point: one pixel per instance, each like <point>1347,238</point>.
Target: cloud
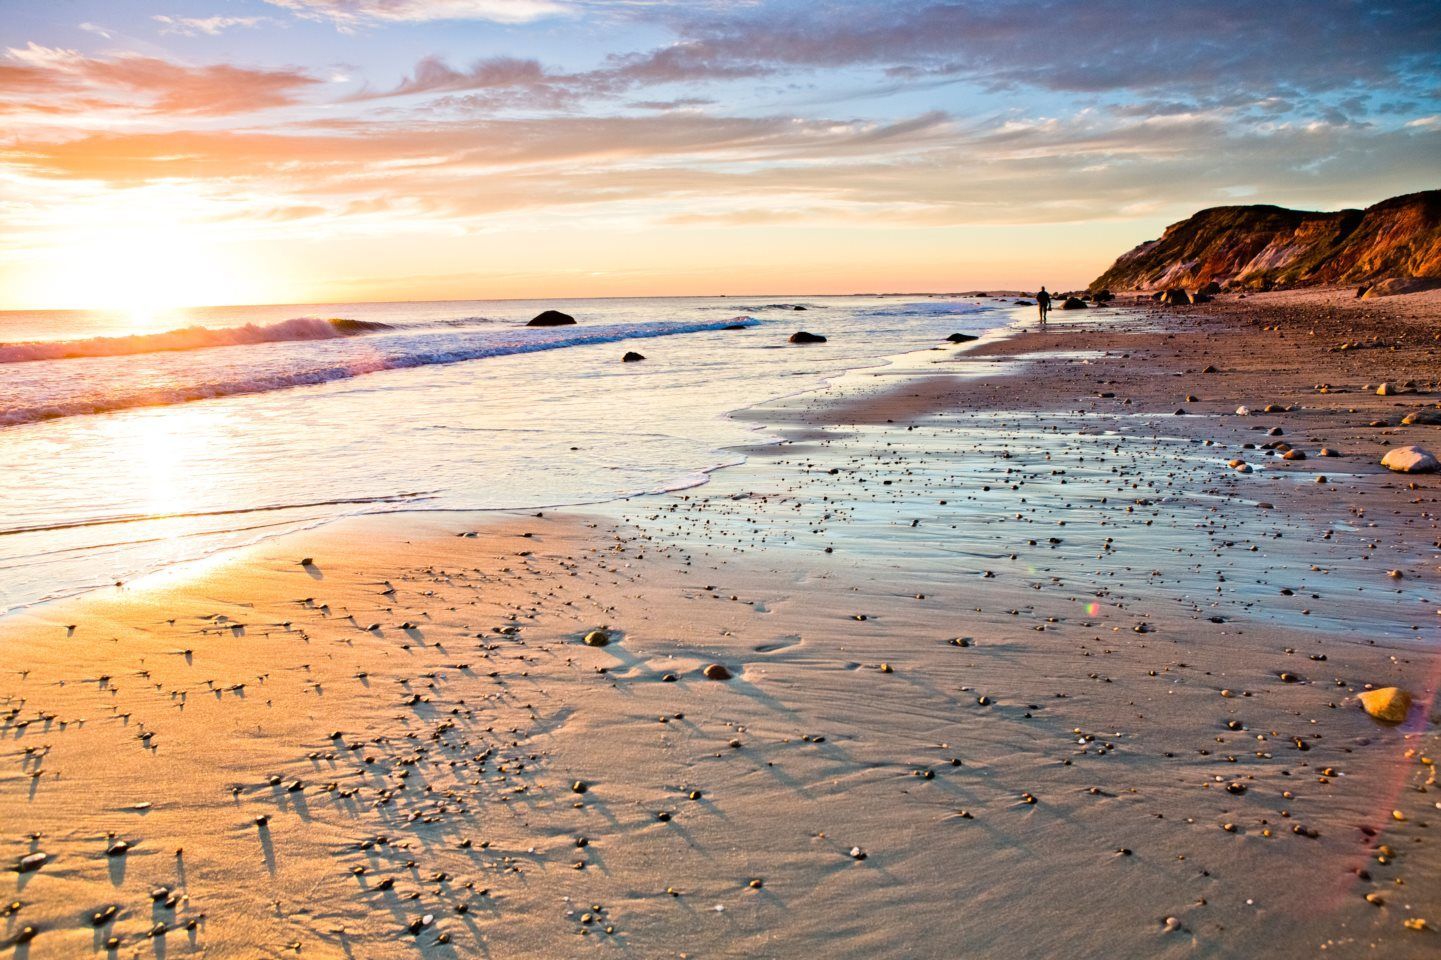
<point>211,26</point>
<point>353,13</point>
<point>49,79</point>
<point>930,169</point>
<point>1090,46</point>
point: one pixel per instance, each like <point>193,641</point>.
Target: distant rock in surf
<point>1074,303</point>
<point>961,338</point>
<point>801,336</point>
<point>631,357</point>
<point>551,318</point>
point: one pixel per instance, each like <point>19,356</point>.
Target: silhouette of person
<point>1043,303</point>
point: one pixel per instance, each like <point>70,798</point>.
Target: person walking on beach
<point>1043,303</point>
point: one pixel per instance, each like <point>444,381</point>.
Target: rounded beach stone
<point>716,671</point>
<point>1388,704</point>
<point>1411,459</point>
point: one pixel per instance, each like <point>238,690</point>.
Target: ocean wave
<point>188,338</point>
<point>519,342</point>
<point>926,308</point>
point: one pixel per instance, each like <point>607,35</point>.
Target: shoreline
<point>1037,654</point>
<point>695,478</point>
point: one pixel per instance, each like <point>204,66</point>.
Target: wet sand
<point>1020,667</point>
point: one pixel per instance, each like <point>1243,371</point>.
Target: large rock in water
<point>632,357</point>
<point>551,318</point>
<point>1074,303</point>
<point>1389,704</point>
<point>961,338</point>
<point>1411,459</point>
<point>801,336</point>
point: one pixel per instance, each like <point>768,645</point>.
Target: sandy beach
<point>1010,646</point>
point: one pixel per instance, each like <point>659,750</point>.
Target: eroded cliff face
<point>1263,246</point>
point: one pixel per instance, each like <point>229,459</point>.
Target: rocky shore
<point>995,651</point>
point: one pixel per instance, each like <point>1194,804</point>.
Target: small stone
<point>32,862</point>
<point>716,671</point>
<point>597,638</point>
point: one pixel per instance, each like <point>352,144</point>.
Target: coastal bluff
<point>1263,247</point>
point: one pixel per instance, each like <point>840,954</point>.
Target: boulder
<point>551,318</point>
<point>1025,303</point>
<point>1175,298</point>
<point>1388,704</point>
<point>631,357</point>
<point>1410,459</point>
<point>1213,287</point>
<point>1397,286</point>
<point>798,307</point>
<point>801,336</point>
<point>1199,297</point>
<point>961,338</point>
<point>1102,296</point>
<point>1074,303</point>
<point>1429,417</point>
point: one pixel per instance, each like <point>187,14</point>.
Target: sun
<point>141,271</point>
<point>144,253</point>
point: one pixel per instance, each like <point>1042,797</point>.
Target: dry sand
<point>1021,667</point>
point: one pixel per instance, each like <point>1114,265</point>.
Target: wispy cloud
<point>352,13</point>
<point>39,78</point>
<point>211,26</point>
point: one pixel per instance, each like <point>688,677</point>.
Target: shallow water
<point>138,444</point>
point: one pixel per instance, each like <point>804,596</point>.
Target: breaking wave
<point>189,338</point>
<point>389,353</point>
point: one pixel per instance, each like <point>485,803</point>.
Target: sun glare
<point>140,253</point>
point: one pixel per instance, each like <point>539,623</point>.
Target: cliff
<point>1261,247</point>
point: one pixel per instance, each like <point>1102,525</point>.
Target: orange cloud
<point>45,79</point>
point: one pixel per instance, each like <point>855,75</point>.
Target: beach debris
<point>1388,704</point>
<point>1411,459</point>
<point>716,671</point>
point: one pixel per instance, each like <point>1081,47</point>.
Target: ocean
<point>131,445</point>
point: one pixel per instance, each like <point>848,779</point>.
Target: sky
<point>279,151</point>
